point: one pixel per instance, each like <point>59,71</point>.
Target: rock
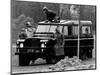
<point>66,62</point>
<point>39,61</point>
<point>91,66</point>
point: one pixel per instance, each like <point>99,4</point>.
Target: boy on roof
<point>50,15</point>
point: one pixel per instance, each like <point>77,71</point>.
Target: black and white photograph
<point>52,37</point>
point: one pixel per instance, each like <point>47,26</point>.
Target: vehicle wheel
<point>84,57</point>
<point>90,53</point>
<point>51,60</point>
<point>33,60</point>
<point>23,60</point>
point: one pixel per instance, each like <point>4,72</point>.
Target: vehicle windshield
<point>46,28</point>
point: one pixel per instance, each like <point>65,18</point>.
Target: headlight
<point>21,45</point>
<point>42,45</point>
<point>43,40</point>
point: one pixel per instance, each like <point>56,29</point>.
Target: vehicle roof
<point>68,22</point>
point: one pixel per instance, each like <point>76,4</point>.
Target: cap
<point>28,24</point>
<point>45,8</point>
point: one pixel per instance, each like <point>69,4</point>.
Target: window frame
<point>89,32</point>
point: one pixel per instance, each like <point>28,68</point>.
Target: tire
<point>23,60</point>
<point>50,52</point>
<point>48,61</point>
<point>33,59</point>
<point>51,60</point>
<point>90,53</point>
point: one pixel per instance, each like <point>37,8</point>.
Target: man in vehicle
<point>59,39</point>
<point>22,34</point>
<point>28,31</point>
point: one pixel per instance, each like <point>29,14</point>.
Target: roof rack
<point>67,22</point>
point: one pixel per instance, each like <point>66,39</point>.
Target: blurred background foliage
<point>23,11</point>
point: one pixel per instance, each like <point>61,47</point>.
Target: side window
<point>61,27</point>
<point>86,30</point>
<point>75,30</point>
<point>52,28</point>
<point>69,30</point>
<point>65,30</point>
